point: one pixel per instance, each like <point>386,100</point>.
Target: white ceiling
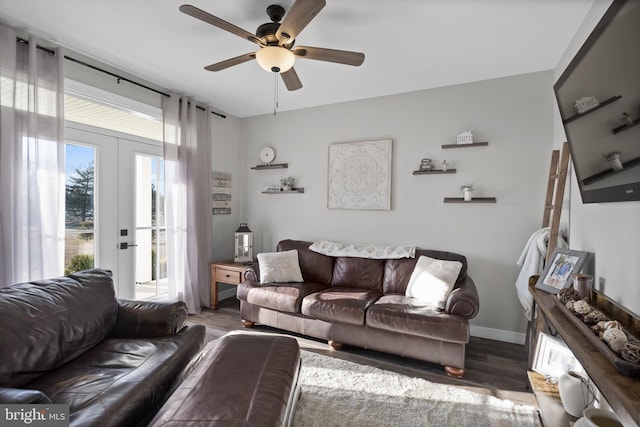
<point>409,44</point>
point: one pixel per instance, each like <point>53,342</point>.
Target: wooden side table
<point>229,272</point>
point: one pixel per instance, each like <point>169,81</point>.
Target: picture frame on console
<point>559,271</point>
<point>553,358</point>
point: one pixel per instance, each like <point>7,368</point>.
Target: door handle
<point>126,245</point>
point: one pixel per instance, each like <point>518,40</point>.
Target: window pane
<point>80,208</point>
<point>162,261</point>
<point>157,189</point>
<point>151,256</point>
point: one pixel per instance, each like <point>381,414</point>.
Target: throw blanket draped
<point>363,251</point>
<point>531,263</point>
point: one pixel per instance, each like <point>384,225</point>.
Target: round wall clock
<point>267,155</point>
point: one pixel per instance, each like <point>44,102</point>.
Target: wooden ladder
<point>550,218</point>
<point>555,195</point>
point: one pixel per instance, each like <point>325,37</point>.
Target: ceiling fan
<point>276,40</point>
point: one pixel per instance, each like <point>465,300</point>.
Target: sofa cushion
<point>121,382</point>
<point>277,296</point>
<point>432,280</point>
<point>47,323</point>
<point>408,315</point>
<point>279,267</point>
<point>358,273</point>
<point>342,305</point>
<point>314,266</point>
<point>398,271</point>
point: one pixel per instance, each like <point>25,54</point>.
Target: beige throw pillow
<point>432,280</point>
<point>279,267</point>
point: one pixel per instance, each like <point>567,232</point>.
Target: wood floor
<point>492,367</point>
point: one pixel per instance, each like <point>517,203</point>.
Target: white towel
<point>531,263</point>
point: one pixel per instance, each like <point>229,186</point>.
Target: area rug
<point>338,393</point>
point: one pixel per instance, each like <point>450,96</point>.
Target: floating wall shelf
<point>602,104</point>
<point>619,129</point>
<point>293,191</point>
<point>625,166</point>
<point>473,200</point>
<point>473,144</point>
<point>271,166</point>
<point>434,172</point>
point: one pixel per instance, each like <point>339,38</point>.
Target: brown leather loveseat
<point>68,340</point>
<point>362,302</point>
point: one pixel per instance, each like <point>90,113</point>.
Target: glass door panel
<point>115,211</point>
<point>150,235</point>
<point>80,241</point>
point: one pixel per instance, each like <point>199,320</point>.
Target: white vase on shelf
<point>466,190</point>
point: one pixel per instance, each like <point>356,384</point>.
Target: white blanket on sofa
<point>363,251</point>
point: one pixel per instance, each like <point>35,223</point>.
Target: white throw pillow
<point>432,280</point>
<point>279,267</point>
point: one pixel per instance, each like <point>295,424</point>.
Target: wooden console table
<point>621,392</point>
<point>551,410</point>
<point>228,272</point>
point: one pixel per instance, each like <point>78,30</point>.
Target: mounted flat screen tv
<point>599,100</point>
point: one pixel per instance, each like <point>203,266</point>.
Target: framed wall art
<point>558,273</point>
<point>360,175</point>
<point>221,193</point>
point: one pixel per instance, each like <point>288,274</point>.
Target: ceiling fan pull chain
<point>275,94</point>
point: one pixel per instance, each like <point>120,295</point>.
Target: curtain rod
<point>93,67</point>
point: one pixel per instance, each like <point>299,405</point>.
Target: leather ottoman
<point>241,380</point>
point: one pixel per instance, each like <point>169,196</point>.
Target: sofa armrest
<point>253,272</point>
<point>463,300</point>
<point>23,396</point>
<point>145,319</point>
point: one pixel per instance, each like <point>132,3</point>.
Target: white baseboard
<point>498,334</point>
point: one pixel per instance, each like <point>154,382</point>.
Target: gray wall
<point>513,114</point>
<point>226,157</point>
<point>611,231</point>
<point>225,152</point>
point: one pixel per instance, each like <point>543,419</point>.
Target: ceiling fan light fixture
<point>275,59</point>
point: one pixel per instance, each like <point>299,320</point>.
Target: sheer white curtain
<point>31,161</point>
<point>187,155</point>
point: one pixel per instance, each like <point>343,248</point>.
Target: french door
<point>129,235</point>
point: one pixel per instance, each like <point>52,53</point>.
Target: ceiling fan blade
<point>220,23</point>
<point>330,55</point>
<point>231,62</point>
<point>291,80</point>
<point>300,14</point>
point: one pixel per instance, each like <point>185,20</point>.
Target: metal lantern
<point>244,244</point>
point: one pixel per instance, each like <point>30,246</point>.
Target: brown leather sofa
<point>68,340</point>
<point>362,302</point>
